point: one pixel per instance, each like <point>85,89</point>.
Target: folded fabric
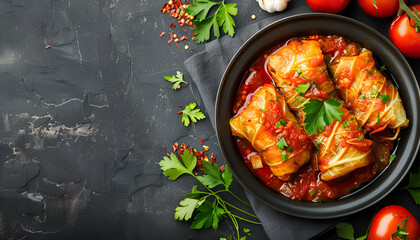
<point>206,70</point>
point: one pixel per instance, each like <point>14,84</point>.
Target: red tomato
<point>328,6</point>
<point>385,8</point>
<point>405,37</point>
<point>386,221</point>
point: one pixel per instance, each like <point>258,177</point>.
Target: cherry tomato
<point>328,6</point>
<point>405,37</point>
<point>386,221</point>
<point>384,8</point>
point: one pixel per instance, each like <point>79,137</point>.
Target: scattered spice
<point>48,46</point>
<point>199,154</point>
<point>201,141</point>
<point>163,33</point>
<point>177,9</point>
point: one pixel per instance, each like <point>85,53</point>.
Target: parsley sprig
<point>319,114</point>
<point>210,206</point>
<point>176,80</point>
<point>222,18</point>
<point>190,113</point>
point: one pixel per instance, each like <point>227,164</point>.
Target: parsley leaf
<point>221,18</point>
<point>212,176</point>
<point>210,215</point>
<point>176,80</point>
<point>227,177</point>
<point>173,168</point>
<point>186,209</point>
<point>385,98</point>
<point>302,88</point>
<point>191,113</point>
<point>319,114</point>
<point>345,230</point>
<point>413,186</point>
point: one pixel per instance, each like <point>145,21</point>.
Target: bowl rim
<point>363,198</point>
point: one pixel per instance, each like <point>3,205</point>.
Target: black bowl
<point>325,24</point>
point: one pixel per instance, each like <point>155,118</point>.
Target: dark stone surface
<point>85,112</point>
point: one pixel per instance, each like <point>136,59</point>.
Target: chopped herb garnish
<point>383,68</point>
<point>360,138</point>
<point>362,97</point>
<point>302,88</point>
<point>346,123</point>
<point>281,144</point>
<point>352,118</point>
<point>289,148</point>
<point>283,156</point>
<point>263,110</point>
<point>377,121</point>
<point>360,93</point>
<point>277,98</point>
<point>303,77</point>
<point>391,158</point>
<point>385,98</point>
<point>298,72</point>
<point>281,122</point>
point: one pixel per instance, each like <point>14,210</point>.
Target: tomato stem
<point>410,15</point>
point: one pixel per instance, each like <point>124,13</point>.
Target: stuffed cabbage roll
<point>272,129</point>
<point>300,73</point>
<point>371,97</point>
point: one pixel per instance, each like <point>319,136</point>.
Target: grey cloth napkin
<point>206,69</point>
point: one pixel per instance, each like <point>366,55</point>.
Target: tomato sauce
<point>306,184</point>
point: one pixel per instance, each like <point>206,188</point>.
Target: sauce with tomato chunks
<point>306,184</point>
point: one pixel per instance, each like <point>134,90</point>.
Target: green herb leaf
<point>227,177</point>
<point>281,144</point>
<point>345,123</point>
<point>383,68</point>
<point>191,113</point>
<point>281,122</point>
<point>204,23</point>
<point>320,114</point>
<point>298,72</point>
<point>302,88</point>
<point>283,156</point>
<point>385,98</point>
<point>345,230</point>
<point>391,158</point>
<point>212,176</point>
<point>413,186</point>
<point>186,209</point>
<point>210,215</point>
<point>176,80</point>
<point>173,168</point>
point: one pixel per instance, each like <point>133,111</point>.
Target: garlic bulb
<point>273,5</point>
